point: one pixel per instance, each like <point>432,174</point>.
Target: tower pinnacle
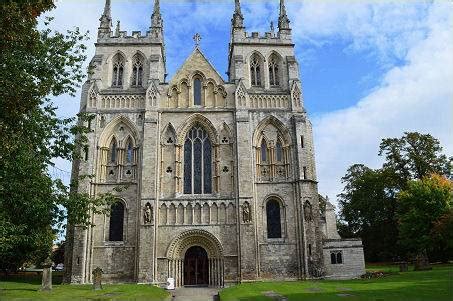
<point>283,20</point>
<point>106,20</point>
<point>238,18</point>
<point>156,17</point>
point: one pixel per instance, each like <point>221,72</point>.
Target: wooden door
<point>196,268</point>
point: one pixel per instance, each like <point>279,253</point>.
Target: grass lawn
<point>26,289</point>
<point>435,285</point>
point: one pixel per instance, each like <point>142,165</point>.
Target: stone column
<point>46,284</point>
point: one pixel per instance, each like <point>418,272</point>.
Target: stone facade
<point>243,207</point>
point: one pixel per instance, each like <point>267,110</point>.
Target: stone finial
<point>272,26</point>
<point>283,20</point>
<point>238,18</point>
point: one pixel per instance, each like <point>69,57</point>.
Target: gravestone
<point>404,267</point>
<point>46,284</point>
<point>97,279</point>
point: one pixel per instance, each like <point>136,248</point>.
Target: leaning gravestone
<point>97,279</point>
<point>46,284</point>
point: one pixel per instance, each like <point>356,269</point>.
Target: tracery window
<point>197,162</point>
<point>118,70</point>
<point>197,92</point>
<point>129,151</point>
<point>274,79</point>
<point>255,70</point>
<point>137,71</point>
<point>113,151</point>
<point>274,227</point>
<point>116,222</point>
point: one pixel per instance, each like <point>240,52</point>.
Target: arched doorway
<point>196,267</point>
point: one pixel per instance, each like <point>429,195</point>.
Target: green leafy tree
<point>442,235</point>
<point>368,204</point>
<point>420,207</point>
<point>37,64</point>
<point>368,211</point>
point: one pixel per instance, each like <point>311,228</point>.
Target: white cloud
<point>415,97</point>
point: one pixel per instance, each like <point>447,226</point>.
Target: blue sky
<point>371,69</point>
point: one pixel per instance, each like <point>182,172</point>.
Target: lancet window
<point>197,162</point>
<point>273,215</point>
<point>118,70</point>
<point>113,151</point>
<point>116,224</point>
<point>255,70</point>
<point>274,79</point>
<point>129,152</point>
<point>137,71</point>
<point>197,92</point>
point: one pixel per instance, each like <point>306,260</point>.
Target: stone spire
<point>156,17</point>
<point>238,18</point>
<point>106,21</point>
<point>283,21</point>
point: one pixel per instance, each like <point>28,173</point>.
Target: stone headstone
<point>46,284</point>
<point>404,267</point>
<point>97,279</point>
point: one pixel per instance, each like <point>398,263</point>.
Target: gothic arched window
<point>255,70</point>
<point>129,151</point>
<point>118,70</point>
<point>116,222</point>
<point>274,227</point>
<point>263,151</point>
<point>137,71</point>
<point>274,79</point>
<point>113,151</point>
<point>197,162</point>
<point>197,92</point>
<point>279,151</point>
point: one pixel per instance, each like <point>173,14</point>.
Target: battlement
<point>243,37</point>
<point>136,37</point>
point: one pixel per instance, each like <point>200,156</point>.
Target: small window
<point>263,151</point>
<point>305,172</point>
<point>336,257</point>
<point>113,151</point>
<point>86,152</point>
<point>197,92</point>
<point>309,249</point>
<point>302,144</point>
<point>130,152</point>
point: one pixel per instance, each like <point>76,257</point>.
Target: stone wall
<point>353,260</point>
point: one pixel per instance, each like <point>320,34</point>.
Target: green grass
<point>27,289</point>
<point>435,285</point>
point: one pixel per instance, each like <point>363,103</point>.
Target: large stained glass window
<point>274,227</point>
<point>197,162</point>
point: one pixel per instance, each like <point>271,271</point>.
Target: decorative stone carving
<point>148,214</point>
<point>246,213</point>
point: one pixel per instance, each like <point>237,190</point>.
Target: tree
<point>368,204</point>
<point>442,235</point>
<point>37,64</point>
<point>368,211</point>
<point>420,206</point>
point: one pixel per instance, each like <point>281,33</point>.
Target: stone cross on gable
<point>197,39</point>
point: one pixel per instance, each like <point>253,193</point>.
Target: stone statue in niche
<point>246,213</point>
<point>148,214</point>
<point>308,212</point>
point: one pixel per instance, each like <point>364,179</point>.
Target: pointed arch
<point>138,67</point>
<point>129,150</point>
<point>275,69</point>
<point>256,64</point>
<point>168,135</point>
<point>283,130</point>
<point>191,121</point>
<point>109,130</point>
<point>113,150</point>
<point>118,65</point>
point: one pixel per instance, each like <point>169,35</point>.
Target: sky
<point>370,69</point>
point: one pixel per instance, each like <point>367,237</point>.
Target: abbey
<point>217,176</point>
